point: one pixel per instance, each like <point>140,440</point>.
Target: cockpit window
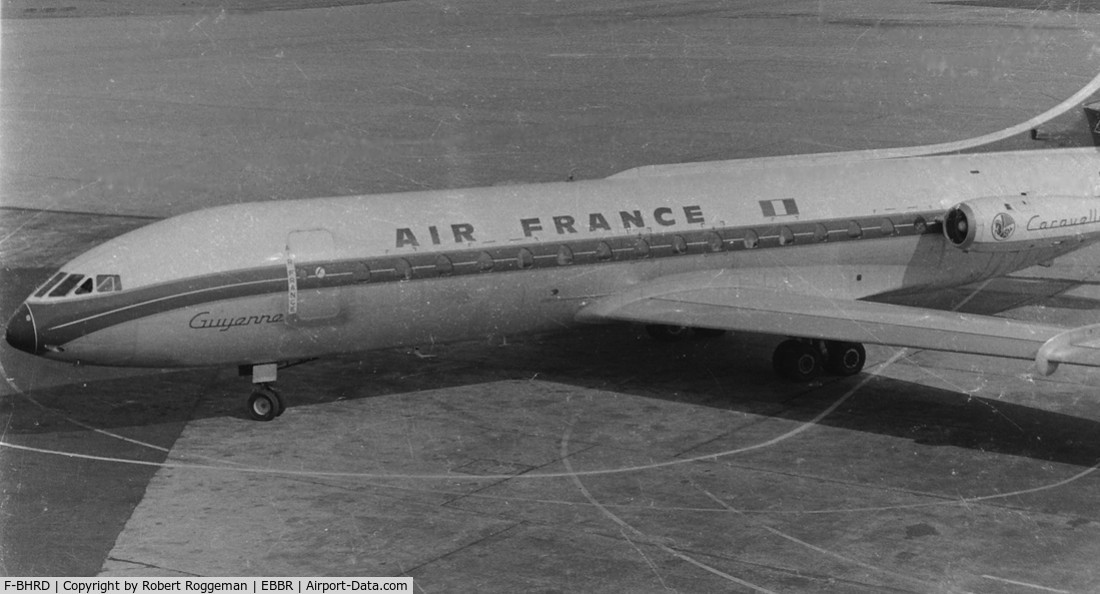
<point>106,283</point>
<point>84,288</point>
<point>49,285</point>
<point>66,285</point>
<point>79,284</point>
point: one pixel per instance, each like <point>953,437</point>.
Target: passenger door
<point>308,299</point>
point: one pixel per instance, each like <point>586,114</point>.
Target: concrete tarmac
<point>594,460</point>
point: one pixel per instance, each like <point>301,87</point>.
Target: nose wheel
<point>264,404</point>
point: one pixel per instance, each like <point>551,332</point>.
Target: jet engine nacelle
<point>997,224</point>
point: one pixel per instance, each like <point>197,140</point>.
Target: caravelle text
<point>1037,222</point>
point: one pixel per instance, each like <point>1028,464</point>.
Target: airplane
<point>791,246</point>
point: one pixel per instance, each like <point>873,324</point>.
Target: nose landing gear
<point>264,404</point>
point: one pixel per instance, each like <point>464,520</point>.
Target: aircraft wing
<point>715,300</point>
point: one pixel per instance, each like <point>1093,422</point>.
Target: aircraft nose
<point>21,332</point>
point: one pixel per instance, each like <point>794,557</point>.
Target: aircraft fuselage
<point>278,281</point>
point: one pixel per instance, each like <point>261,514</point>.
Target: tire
<point>797,361</point>
<point>264,405</point>
<point>845,358</point>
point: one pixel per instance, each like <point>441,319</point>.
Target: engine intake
<point>995,223</point>
<point>957,227</point>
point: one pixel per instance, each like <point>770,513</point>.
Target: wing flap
<point>717,301</point>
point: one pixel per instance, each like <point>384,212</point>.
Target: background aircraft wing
<point>709,300</point>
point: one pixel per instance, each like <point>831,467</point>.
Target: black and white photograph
<point>756,296</point>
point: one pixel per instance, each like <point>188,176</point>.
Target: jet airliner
<point>790,246</point>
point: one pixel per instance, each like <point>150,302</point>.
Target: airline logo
<point>566,224</point>
<point>624,219</point>
<point>463,233</point>
<point>1003,227</point>
<point>779,208</point>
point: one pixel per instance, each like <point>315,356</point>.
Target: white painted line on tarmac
<point>1026,585</point>
<point>627,527</point>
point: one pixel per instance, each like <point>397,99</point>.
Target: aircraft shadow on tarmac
<point>730,373</point>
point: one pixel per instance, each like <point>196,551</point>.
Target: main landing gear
<point>796,359</point>
<point>804,360</point>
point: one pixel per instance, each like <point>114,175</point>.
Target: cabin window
<point>49,284</point>
<point>854,230</point>
<point>887,227</point>
<point>820,233</point>
<point>786,236</point>
<point>641,248</point>
<point>603,251</point>
<point>404,269</point>
<point>485,262</point>
<point>565,256</point>
<point>361,272</point>
<point>679,246</point>
<point>920,225</point>
<point>714,242</point>
<point>66,285</point>
<point>525,258</point>
<point>443,265</point>
<point>752,239</point>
